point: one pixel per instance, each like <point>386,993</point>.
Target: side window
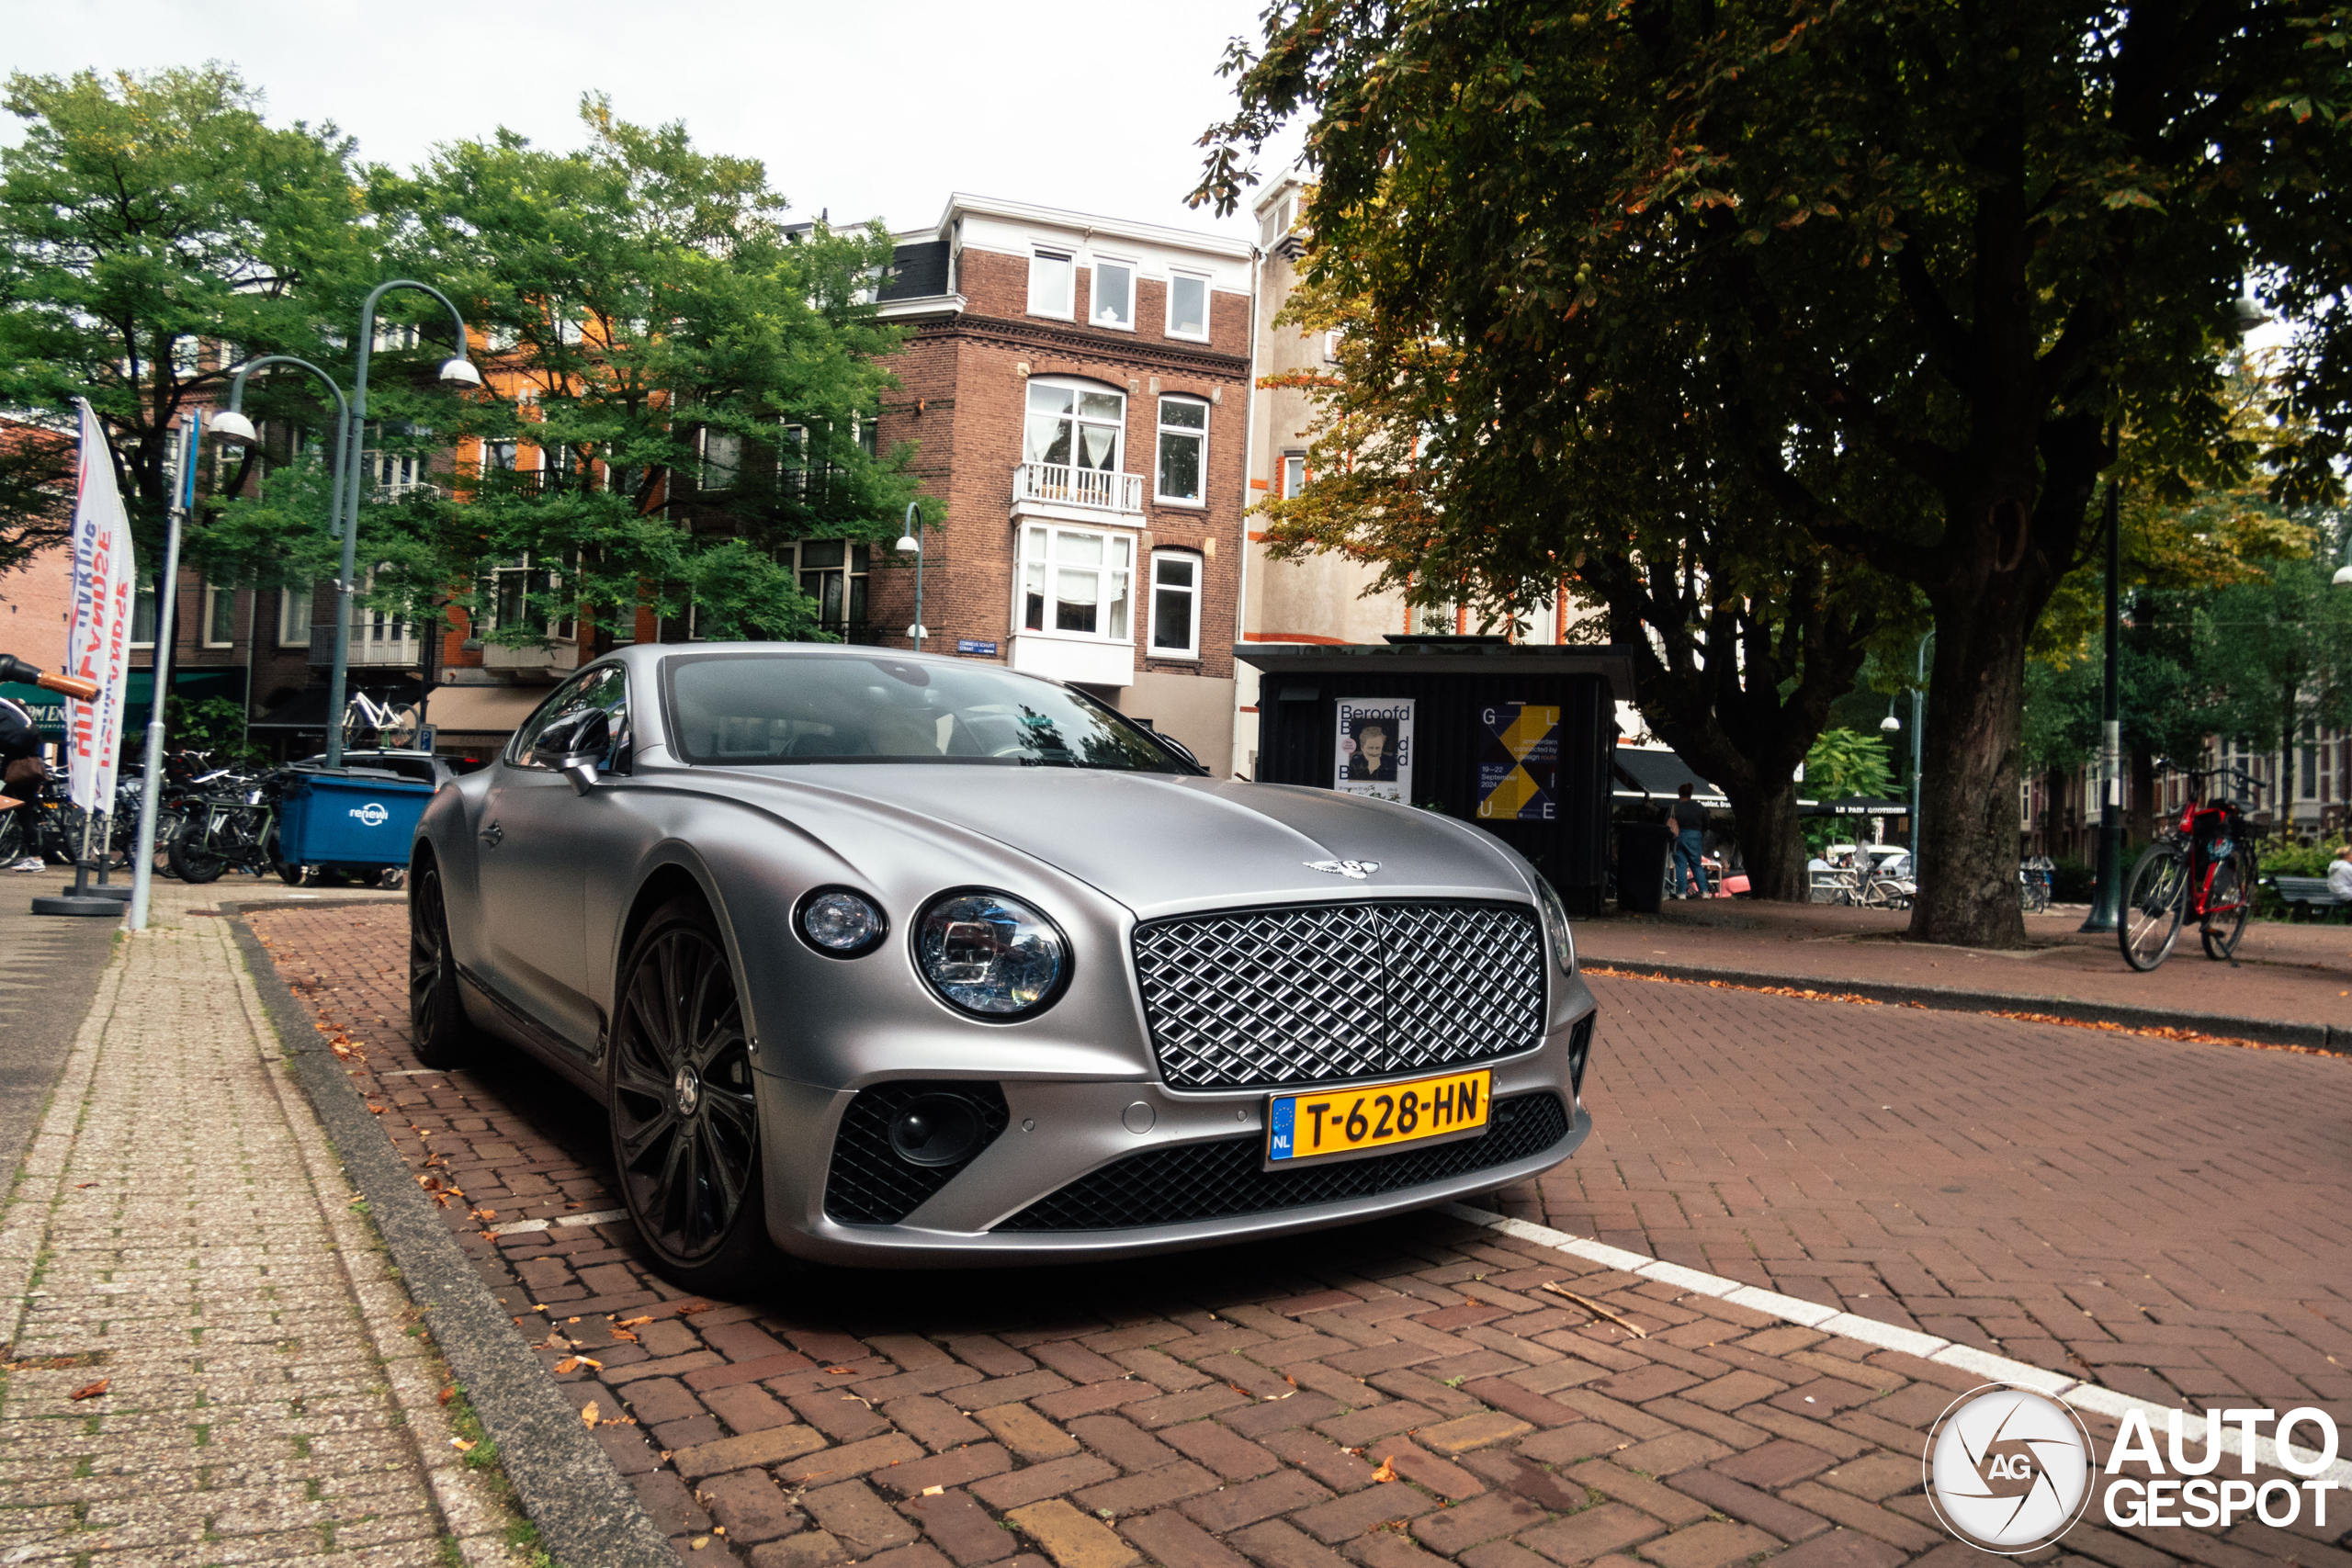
<point>605,688</point>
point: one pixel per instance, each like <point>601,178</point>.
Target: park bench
<point>2304,896</point>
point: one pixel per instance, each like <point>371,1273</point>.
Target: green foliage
<point>216,724</point>
<point>1846,762</point>
<point>2285,857</point>
<point>143,219</point>
<point>676,356</point>
<point>1901,267</point>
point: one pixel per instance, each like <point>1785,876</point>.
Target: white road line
<point>1892,1336</point>
<point>598,1217</point>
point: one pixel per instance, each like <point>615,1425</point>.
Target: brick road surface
<point>204,1358</point>
<point>2295,973</point>
<point>1392,1396</point>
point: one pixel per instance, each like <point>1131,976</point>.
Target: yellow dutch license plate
<point>1328,1122</point>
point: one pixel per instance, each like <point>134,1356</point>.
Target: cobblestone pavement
<point>1392,1395</point>
<point>2296,973</point>
<point>203,1357</point>
<point>2171,1218</point>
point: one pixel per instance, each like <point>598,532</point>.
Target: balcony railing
<point>1078,487</point>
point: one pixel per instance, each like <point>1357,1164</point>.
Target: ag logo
<point>2008,1469</point>
<point>1353,869</point>
<point>372,814</point>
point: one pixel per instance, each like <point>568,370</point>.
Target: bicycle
<point>237,831</point>
<point>2033,882</point>
<point>2203,867</point>
<point>391,724</point>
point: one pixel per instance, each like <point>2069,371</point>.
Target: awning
<point>1644,773</point>
<point>1856,806</point>
<point>139,694</point>
<point>481,710</point>
<point>306,709</point>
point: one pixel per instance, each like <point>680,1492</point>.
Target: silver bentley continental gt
<point>880,958</point>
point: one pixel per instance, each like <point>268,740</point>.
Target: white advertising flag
<point>98,642</point>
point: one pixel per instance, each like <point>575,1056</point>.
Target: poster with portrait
<point>1375,747</point>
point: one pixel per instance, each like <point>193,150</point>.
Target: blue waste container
<point>350,817</point>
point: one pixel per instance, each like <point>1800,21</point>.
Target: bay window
<point>1183,447</point>
<point>1076,581</point>
<point>1052,283</point>
<point>1113,302</point>
<point>1188,305</point>
<point>1073,424</point>
<point>1175,605</point>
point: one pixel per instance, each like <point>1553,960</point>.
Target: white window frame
<point>520,568</point>
<point>293,633</point>
<point>1292,482</point>
<point>1069,258</point>
<point>855,571</point>
<point>1094,293</point>
<point>703,460</point>
<point>143,592</point>
<point>213,597</point>
<point>1080,386</point>
<point>1115,584</point>
<point>1192,593</point>
<point>1162,429</point>
<point>1207,305</point>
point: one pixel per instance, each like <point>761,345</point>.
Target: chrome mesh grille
<point>1260,997</point>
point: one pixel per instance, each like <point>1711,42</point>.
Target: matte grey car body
<point>547,887</point>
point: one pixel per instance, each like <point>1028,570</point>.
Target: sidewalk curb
<point>563,1479</point>
<point>2269,1031</point>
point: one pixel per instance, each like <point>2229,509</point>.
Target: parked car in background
<point>876,957</point>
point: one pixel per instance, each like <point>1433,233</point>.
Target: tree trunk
<point>2139,822</point>
<point>1967,797</point>
<point>1768,839</point>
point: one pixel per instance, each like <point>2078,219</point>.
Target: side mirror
<point>576,746</point>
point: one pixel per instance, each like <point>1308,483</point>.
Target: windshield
<point>785,707</point>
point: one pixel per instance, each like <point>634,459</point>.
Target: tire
<point>291,874</point>
<point>2223,931</point>
<point>392,878</point>
<point>681,1099</point>
<point>439,1033</point>
<point>194,862</point>
<point>2154,898</point>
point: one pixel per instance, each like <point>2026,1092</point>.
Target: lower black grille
<point>1217,1181</point>
<point>869,1184</point>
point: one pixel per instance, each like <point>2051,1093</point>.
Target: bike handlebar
<point>14,669</point>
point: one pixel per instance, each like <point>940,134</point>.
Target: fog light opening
<point>937,1129</point>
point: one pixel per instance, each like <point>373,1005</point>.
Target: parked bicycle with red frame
<point>2201,868</point>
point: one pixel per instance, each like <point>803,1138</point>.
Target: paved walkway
<point>207,1359</point>
<point>1396,1395</point>
<point>2294,973</point>
<point>48,964</point>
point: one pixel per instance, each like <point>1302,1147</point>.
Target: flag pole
<point>143,869</point>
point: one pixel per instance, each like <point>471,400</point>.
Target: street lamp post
<point>458,371</point>
<point>2107,897</point>
<point>1919,708</point>
<point>910,543</point>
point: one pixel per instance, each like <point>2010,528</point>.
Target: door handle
<point>492,834</point>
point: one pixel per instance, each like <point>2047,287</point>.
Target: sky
<point>859,109</point>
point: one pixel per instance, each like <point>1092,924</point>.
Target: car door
<point>537,840</point>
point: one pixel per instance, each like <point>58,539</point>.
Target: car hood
<point>1163,843</point>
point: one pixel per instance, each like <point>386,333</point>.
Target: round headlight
<point>1555,925</point>
<point>991,956</point>
<point>839,923</point>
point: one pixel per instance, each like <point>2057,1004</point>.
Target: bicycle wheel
<point>2154,901</point>
<point>194,858</point>
<point>2233,891</point>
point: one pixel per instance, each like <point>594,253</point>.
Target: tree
<point>145,222</point>
<point>1742,630</point>
<point>1931,257</point>
<point>699,380</point>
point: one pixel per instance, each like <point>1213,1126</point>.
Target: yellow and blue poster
<point>1519,765</point>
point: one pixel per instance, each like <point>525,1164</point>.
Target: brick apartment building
<point>1079,390</point>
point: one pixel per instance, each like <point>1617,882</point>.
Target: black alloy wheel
<point>685,1112</point>
<point>438,1030</point>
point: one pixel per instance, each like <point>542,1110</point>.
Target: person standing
<point>22,774</point>
<point>1690,820</point>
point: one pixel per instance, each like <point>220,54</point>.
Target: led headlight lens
<point>1556,924</point>
<point>991,956</point>
<point>839,923</point>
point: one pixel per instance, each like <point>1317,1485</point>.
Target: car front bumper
<point>1059,1132</point>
